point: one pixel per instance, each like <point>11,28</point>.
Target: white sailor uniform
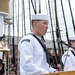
<point>68,60</point>
<point>32,57</point>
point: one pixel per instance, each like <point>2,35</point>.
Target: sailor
<point>68,58</point>
<point>32,55</point>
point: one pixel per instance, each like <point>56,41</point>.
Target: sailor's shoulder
<point>28,38</point>
<point>25,39</point>
<point>67,53</point>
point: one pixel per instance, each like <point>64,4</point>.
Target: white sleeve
<point>26,60</point>
<point>51,69</point>
<point>67,62</point>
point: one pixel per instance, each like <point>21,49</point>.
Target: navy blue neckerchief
<point>73,53</point>
<point>45,49</point>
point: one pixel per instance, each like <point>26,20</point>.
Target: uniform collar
<point>37,36</point>
<point>71,49</point>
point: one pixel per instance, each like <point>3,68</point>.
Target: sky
<point>18,17</point>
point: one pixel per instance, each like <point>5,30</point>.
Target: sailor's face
<point>42,27</point>
<point>72,43</point>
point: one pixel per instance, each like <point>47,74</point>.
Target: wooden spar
<point>39,6</point>
<point>58,35</point>
<point>65,22</point>
<point>71,15</point>
<point>29,14</point>
<point>33,5</point>
<point>52,32</point>
<point>24,17</point>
